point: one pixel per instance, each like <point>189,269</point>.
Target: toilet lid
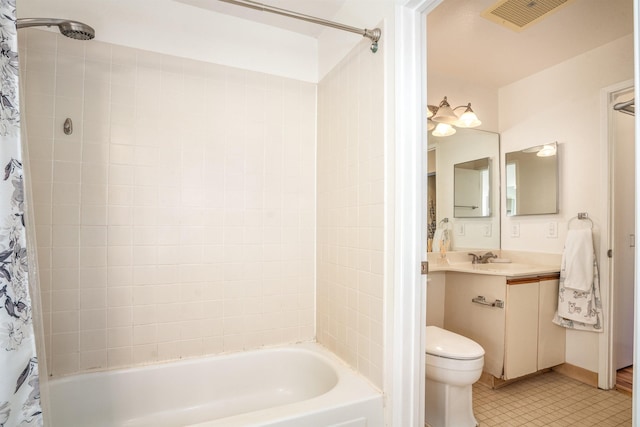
<point>447,344</point>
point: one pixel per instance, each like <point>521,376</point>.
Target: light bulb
<point>443,129</point>
<point>547,151</point>
<point>468,119</point>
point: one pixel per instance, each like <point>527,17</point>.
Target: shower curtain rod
<point>374,35</point>
<point>628,107</point>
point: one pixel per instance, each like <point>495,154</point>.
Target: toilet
<point>453,364</point>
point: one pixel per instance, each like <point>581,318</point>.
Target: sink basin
<point>513,266</point>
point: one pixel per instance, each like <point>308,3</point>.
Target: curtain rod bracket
<point>374,35</point>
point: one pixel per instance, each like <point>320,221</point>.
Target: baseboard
<point>577,373</point>
<point>568,370</point>
<point>488,380</point>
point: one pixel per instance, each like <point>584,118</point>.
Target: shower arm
<point>38,22</point>
<point>374,35</point>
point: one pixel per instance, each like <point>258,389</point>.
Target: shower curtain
<point>19,380</point>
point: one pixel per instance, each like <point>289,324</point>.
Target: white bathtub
<point>301,385</point>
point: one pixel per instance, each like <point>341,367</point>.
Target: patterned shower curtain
<point>19,381</point>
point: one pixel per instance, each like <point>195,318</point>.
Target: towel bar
<point>582,216</point>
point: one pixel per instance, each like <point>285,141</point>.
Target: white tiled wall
<point>179,217</point>
<point>350,211</point>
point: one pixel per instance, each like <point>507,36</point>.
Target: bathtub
<point>293,386</point>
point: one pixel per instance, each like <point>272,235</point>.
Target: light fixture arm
<point>468,107</point>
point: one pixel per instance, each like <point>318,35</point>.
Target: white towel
<point>580,310</point>
<point>578,259</point>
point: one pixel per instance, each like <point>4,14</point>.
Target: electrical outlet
<point>552,230</point>
<point>460,229</point>
<point>515,229</point>
<point>486,230</point>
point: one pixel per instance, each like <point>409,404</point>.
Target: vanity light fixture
<point>547,151</point>
<point>443,129</point>
<point>445,118</point>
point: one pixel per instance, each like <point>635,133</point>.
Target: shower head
<point>74,29</point>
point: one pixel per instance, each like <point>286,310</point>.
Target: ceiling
<point>323,9</point>
<point>462,44</point>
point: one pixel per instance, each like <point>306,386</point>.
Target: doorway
<point>622,235</point>
<point>410,124</point>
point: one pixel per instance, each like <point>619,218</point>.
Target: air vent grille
<point>520,14</point>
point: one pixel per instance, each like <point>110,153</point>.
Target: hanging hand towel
<point>580,310</point>
<point>579,303</point>
<point>577,260</point>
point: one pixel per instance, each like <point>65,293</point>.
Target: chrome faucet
<point>482,259</point>
<point>486,257</point>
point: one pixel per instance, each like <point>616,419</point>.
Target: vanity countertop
<point>514,264</point>
<point>514,269</point>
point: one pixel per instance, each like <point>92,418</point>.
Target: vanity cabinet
<point>483,324</point>
<point>551,337</point>
<point>521,329</point>
<point>518,337</point>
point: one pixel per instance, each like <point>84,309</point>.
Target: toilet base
<point>448,406</point>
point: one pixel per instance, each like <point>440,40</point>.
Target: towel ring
<point>582,216</point>
<point>443,222</point>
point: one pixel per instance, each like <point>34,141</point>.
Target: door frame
<point>406,380</point>
<point>636,320</point>
<point>606,360</point>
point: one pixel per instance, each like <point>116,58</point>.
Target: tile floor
<point>550,399</point>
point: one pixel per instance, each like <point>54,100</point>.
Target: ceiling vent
<point>520,14</point>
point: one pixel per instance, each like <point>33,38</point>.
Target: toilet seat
<point>461,365</point>
<point>449,345</point>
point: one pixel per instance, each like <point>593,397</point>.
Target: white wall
<point>178,219</point>
<point>483,99</point>
<point>351,220</point>
<point>562,104</point>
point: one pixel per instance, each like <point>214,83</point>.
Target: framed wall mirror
<point>480,230</point>
<point>472,189</point>
<point>531,177</point>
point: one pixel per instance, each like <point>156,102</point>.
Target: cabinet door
<point>551,337</point>
<point>481,323</point>
<point>521,334</point>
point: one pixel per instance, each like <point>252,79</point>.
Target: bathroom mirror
<point>531,177</point>
<point>465,146</point>
<point>472,189</point>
